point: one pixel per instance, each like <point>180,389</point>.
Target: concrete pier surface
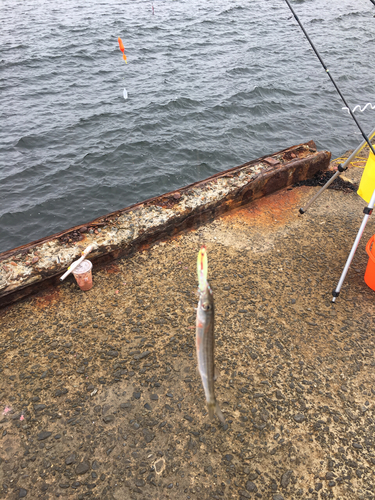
<point>100,397</point>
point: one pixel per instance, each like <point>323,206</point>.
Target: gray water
<point>210,85</point>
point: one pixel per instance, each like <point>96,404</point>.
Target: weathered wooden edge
<point>275,178</point>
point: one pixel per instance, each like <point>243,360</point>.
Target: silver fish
<point>205,342</point>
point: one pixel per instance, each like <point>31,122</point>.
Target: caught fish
<point>205,339</point>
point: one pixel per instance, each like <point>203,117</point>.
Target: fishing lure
<point>202,268</point>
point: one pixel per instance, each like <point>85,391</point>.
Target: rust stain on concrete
<point>112,269</point>
<point>275,209</point>
<point>47,299</point>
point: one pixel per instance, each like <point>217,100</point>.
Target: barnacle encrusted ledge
<point>29,268</point>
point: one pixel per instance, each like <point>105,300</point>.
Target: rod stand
<point>328,183</point>
<point>341,168</point>
<point>367,211</point>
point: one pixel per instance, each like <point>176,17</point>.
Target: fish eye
<point>206,307</point>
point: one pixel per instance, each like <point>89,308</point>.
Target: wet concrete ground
<point>100,397</point>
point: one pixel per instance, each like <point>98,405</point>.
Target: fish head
<point>206,300</point>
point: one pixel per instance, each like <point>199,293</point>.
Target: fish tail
<point>211,410</point>
<point>219,414</point>
<point>214,408</point>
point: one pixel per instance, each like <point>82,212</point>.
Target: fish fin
<point>219,414</point>
<point>214,408</point>
<point>211,410</point>
<point>216,373</point>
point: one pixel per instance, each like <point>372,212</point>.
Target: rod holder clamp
<point>367,210</point>
<point>340,168</point>
<point>335,294</point>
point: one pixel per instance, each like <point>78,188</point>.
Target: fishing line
<point>330,76</point>
<point>359,107</point>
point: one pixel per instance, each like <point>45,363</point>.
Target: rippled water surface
<point>211,85</point>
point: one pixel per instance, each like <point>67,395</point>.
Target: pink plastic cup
<point>83,275</point>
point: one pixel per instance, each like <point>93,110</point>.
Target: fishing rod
<point>367,210</point>
<point>341,167</point>
<point>330,76</point>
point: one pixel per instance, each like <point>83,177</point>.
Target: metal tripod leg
<point>367,211</point>
<point>341,168</point>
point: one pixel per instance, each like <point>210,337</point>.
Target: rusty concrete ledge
<point>32,267</point>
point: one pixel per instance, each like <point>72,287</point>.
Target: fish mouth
<point>204,294</point>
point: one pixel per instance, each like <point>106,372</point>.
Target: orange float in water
<point>122,48</point>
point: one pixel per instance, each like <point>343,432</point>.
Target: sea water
<point>210,85</point>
